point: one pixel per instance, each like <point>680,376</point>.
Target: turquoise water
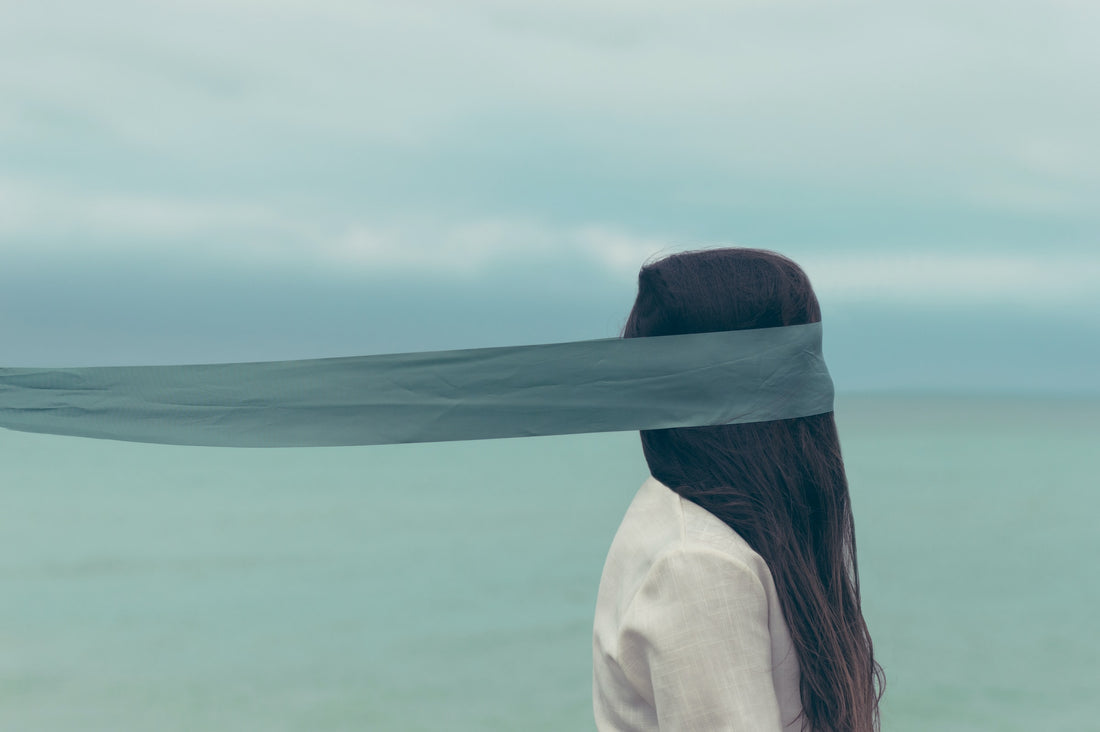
<point>451,586</point>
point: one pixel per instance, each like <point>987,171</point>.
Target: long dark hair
<point>780,485</point>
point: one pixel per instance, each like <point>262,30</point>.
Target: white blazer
<point>688,633</point>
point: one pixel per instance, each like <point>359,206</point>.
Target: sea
<point>451,586</point>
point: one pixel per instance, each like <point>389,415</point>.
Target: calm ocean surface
<point>451,586</point>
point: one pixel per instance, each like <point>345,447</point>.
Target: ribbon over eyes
<point>603,385</point>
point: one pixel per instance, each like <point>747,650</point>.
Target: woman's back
<point>689,634</point>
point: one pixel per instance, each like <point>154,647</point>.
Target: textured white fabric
<point>688,633</point>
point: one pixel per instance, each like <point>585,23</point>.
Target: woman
<point>730,596</point>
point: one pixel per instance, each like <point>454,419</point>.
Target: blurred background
<point>241,180</point>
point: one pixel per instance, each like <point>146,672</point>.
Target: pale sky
<point>238,180</point>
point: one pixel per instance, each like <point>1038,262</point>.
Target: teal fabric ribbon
<point>603,385</point>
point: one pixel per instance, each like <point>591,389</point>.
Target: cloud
<point>470,248</point>
<point>36,220</point>
<point>36,211</point>
<point>846,93</point>
<point>928,151</point>
<point>933,279</point>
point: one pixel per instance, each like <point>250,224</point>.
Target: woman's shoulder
<point>684,526</point>
<point>663,533</point>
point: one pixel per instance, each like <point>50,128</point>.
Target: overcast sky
<point>246,179</point>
